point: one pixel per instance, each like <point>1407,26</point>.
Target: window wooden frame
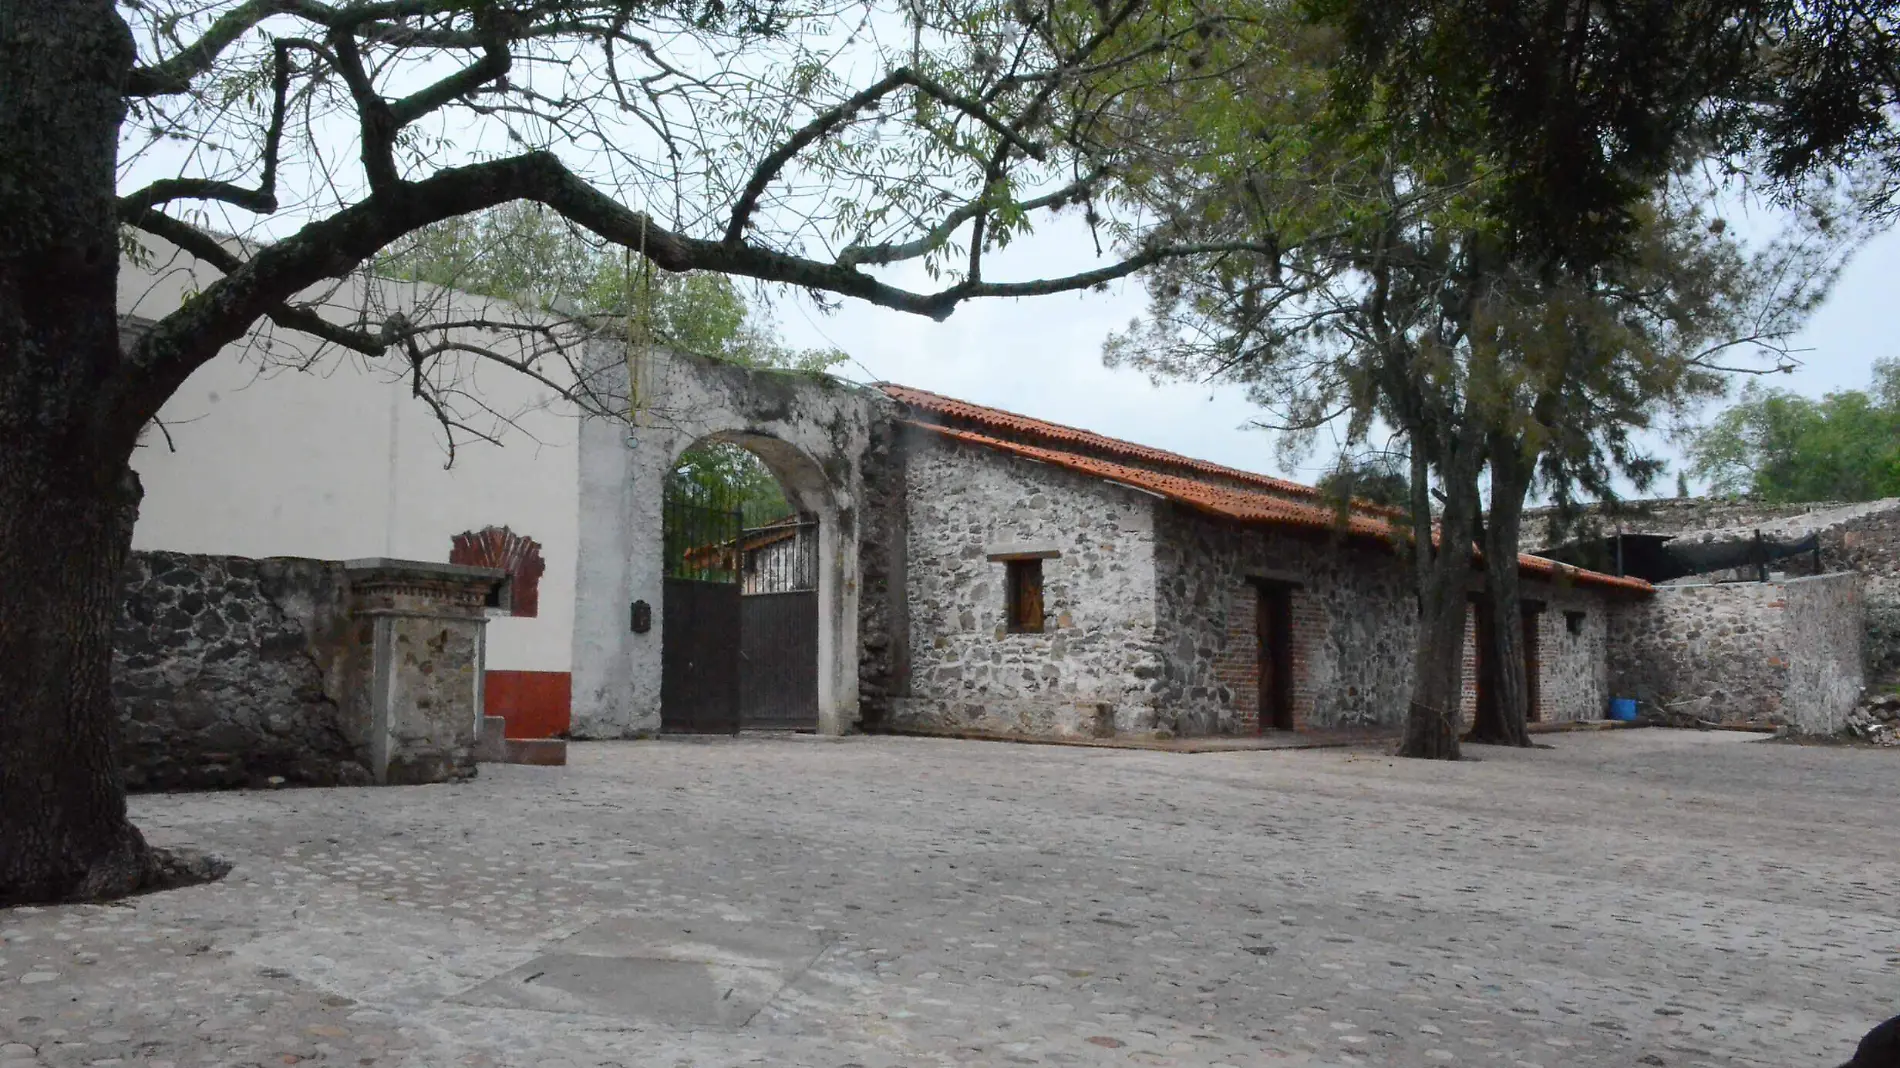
<point>1023,603</point>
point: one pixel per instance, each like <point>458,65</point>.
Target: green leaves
<point>1784,447</point>
<point>529,256</point>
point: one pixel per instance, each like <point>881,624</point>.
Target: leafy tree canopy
<point>528,255</point>
<point>1783,447</point>
<point>525,254</point>
<point>1379,478</point>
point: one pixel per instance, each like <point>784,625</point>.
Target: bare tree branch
<point>263,199</point>
<point>769,168</point>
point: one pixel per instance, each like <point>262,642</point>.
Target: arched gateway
<point>812,432</point>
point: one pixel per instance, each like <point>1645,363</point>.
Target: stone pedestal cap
<point>380,585</point>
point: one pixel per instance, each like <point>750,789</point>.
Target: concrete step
<point>545,752</point>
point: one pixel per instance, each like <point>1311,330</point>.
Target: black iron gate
<point>699,657</point>
<point>778,673</point>
<point>739,639</point>
<point>700,626</point>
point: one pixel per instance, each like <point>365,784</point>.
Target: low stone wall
<point>229,671</point>
<point>1870,545</point>
<point>237,672</point>
<point>1785,652</point>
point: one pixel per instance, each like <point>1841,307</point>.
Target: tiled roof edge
<point>1006,420</point>
<point>1290,513</point>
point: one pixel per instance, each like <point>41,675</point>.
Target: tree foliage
<point>1781,447</point>
<point>1513,308</point>
<point>1825,99</point>
<point>529,256</point>
<point>1379,478</point>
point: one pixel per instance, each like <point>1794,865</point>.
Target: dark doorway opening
<point>1530,612</point>
<point>1275,626</point>
<point>1485,666</point>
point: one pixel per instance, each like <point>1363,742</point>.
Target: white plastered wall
<point>340,461</point>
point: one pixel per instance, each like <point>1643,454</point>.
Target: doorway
<point>739,643</point>
<point>1529,613</point>
<point>1275,628</point>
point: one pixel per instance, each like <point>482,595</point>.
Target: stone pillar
<point>416,665</point>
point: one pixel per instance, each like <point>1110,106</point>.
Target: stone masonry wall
<point>229,671</point>
<point>1863,538</point>
<point>1573,634</point>
<point>1352,627</point>
<point>1573,671</point>
<point>883,618</point>
<point>1743,652</point>
<point>1869,545</point>
<point>1825,670</point>
<point>1094,669</point>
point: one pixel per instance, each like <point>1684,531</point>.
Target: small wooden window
<point>1024,597</point>
<point>1573,622</point>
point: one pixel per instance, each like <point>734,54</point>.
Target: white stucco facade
<point>340,461</point>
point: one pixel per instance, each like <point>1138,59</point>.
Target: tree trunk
<point>1432,719</point>
<point>63,828</point>
<point>68,496</point>
<point>1504,716</point>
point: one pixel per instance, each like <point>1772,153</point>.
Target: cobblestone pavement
<point>1624,898</point>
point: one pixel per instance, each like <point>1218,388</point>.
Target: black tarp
<point>1662,557</point>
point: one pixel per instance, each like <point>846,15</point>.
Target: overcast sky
<point>1042,356</point>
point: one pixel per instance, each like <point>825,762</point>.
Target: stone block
<point>491,743</point>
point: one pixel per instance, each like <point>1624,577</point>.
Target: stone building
<point>960,569</point>
<point>1058,582</point>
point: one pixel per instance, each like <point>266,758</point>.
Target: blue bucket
<point>1623,709</point>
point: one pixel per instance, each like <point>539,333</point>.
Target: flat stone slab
<point>636,989</point>
<point>782,948</point>
<point>541,752</point>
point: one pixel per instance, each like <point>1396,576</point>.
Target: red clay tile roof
<point>1068,438</point>
<point>1210,497</point>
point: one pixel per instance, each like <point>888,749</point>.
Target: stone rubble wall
<point>229,671</point>
<point>1869,545</point>
<point>1781,652</point>
<point>1573,665</point>
<point>883,609</point>
<point>1862,537</point>
<point>1353,626</point>
<point>1095,669</point>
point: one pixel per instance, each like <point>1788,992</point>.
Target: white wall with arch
<point>811,431</point>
